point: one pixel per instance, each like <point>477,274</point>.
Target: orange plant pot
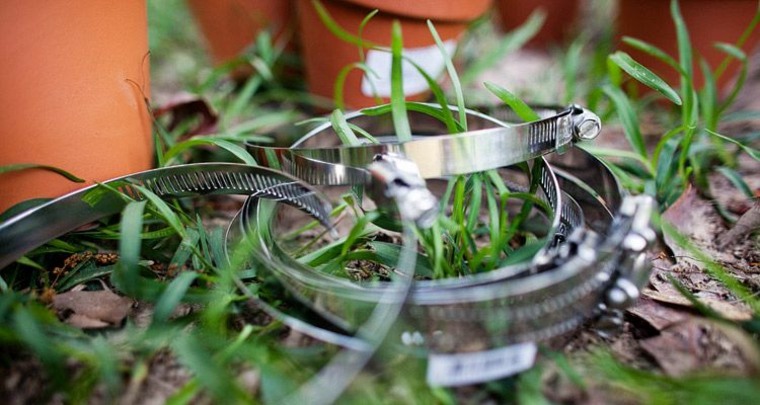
<point>229,26</point>
<point>325,55</point>
<point>561,16</point>
<point>708,21</point>
<point>75,79</point>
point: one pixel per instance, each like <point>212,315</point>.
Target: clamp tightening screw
<point>633,269</point>
<point>586,125</point>
<point>397,180</point>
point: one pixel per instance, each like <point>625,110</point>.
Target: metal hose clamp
<point>594,270</point>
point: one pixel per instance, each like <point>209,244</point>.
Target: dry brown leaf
<point>657,315</point>
<point>184,107</point>
<point>696,218</point>
<point>92,309</point>
<point>727,310</point>
<point>700,344</point>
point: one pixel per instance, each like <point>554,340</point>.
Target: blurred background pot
<point>75,80</point>
<point>708,22</point>
<point>561,18</point>
<point>325,55</point>
<point>230,26</point>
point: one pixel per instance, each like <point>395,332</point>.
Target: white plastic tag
<point>429,58</point>
<point>471,368</point>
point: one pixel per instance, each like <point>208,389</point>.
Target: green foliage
<point>692,148</point>
<point>171,259</point>
<point>654,388</point>
<point>28,166</point>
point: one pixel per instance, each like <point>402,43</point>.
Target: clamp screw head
<point>586,124</point>
<point>622,294</point>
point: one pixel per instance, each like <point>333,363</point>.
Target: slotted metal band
<point>565,289</point>
<point>437,155</point>
<point>33,228</point>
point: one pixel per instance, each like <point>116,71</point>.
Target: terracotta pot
<point>324,54</point>
<point>708,21</point>
<point>230,26</point>
<point>75,79</point>
<point>561,16</point>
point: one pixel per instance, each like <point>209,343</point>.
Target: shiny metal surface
<point>590,266</point>
<point>435,156</point>
<point>33,228</point>
<point>540,300</point>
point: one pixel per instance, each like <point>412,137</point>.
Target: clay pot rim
<point>435,10</point>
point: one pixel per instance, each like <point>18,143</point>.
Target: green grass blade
<point>236,150</point>
<point>510,43</point>
<point>618,153</point>
<point>652,50</point>
<point>362,25</point>
<point>713,268</point>
<point>212,375</point>
<point>432,111</point>
<point>684,42</point>
<point>685,59</point>
<point>4,288</point>
<point>708,97</point>
<point>340,82</point>
<point>164,210</point>
<point>242,99</point>
<point>644,76</point>
<point>342,129</point>
<point>398,102</point>
<point>736,179</point>
<point>570,67</point>
<point>475,198</point>
<point>29,327</point>
<point>84,274</point>
<point>628,118</point>
<point>28,166</point>
<point>453,76</point>
<point>440,97</point>
<point>337,30</point>
<point>185,249</point>
<point>740,43</point>
<point>21,207</point>
<point>172,296</point>
<point>363,133</point>
<point>126,275</point>
<point>26,261</point>
<point>752,152</point>
<point>522,109</point>
<point>664,139</point>
<point>668,184</point>
<point>739,55</point>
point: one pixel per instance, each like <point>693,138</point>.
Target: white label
<point>429,58</point>
<point>472,368</point>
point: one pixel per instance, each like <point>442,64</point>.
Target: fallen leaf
<point>696,218</point>
<point>700,344</point>
<point>92,309</point>
<point>185,107</point>
<point>657,315</point>
<point>747,223</point>
<point>85,322</point>
<point>727,310</point>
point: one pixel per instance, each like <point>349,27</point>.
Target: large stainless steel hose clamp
<point>37,226</point>
<point>481,148</point>
<point>597,270</point>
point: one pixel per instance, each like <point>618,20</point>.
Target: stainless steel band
<point>35,227</point>
<point>591,265</point>
<point>589,274</point>
<point>435,156</point>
